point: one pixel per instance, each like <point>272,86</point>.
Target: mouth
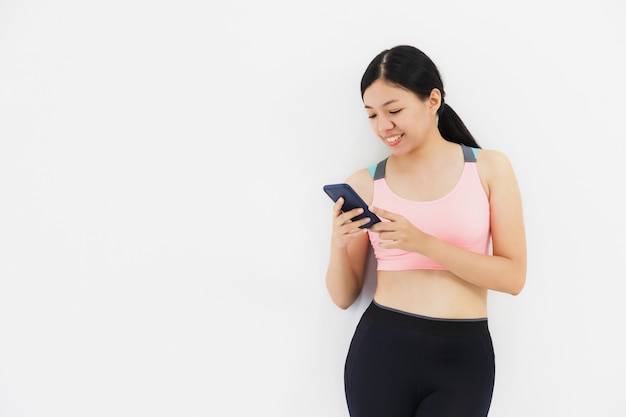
<point>393,140</point>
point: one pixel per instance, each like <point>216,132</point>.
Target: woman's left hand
<point>397,232</point>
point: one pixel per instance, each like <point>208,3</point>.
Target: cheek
<point>423,120</point>
<point>418,122</point>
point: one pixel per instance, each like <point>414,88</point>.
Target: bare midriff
<point>432,293</point>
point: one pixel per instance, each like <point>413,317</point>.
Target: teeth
<point>393,138</point>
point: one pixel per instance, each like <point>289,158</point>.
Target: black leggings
<point>404,365</point>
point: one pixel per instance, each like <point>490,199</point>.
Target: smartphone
<point>351,200</point>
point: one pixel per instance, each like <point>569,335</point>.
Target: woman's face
<point>398,116</point>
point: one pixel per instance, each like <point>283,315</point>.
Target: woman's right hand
<point>344,229</point>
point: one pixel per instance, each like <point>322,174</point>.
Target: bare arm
<point>348,249</point>
<point>344,276</point>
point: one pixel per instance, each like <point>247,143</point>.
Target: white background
<point>163,230</point>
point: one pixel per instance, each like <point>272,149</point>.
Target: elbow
<point>341,296</point>
<point>344,291</point>
<point>342,299</point>
<point>517,284</point>
<point>343,303</point>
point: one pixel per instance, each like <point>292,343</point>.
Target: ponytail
<point>452,127</point>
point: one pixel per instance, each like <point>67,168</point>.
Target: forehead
<point>381,92</point>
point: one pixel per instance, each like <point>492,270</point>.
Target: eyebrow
<point>387,103</point>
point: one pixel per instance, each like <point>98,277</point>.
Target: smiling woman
<point>452,230</point>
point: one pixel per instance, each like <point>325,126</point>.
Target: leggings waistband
<point>428,325</point>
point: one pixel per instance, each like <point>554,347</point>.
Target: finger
<point>337,210</point>
<point>337,206</point>
<point>348,217</point>
<point>352,228</point>
<point>357,228</point>
<point>362,222</point>
<point>388,244</point>
<point>351,214</point>
<point>382,227</point>
<point>385,214</point>
<point>355,233</point>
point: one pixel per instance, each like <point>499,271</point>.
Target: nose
<point>385,123</point>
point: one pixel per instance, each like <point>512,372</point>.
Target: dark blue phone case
<point>351,200</point>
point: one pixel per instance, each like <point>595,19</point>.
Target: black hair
<point>409,68</point>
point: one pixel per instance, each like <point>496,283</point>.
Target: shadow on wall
<point>369,287</point>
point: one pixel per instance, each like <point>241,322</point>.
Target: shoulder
<point>492,162</point>
<point>495,171</point>
<point>363,184</point>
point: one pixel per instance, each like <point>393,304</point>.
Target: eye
<point>395,111</point>
<point>371,116</point>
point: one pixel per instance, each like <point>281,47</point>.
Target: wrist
<point>425,244</point>
<point>338,248</point>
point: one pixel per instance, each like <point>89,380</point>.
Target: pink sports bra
<point>461,217</point>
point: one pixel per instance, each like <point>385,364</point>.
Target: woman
<point>452,229</point>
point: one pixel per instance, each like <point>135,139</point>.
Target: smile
<point>392,139</point>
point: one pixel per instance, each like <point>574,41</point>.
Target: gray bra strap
<point>380,170</point>
<point>468,154</point>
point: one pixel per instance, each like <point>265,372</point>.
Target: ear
<point>434,100</point>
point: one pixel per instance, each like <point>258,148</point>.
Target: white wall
<point>163,230</point>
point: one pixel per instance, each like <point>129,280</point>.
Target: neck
<point>430,153</point>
